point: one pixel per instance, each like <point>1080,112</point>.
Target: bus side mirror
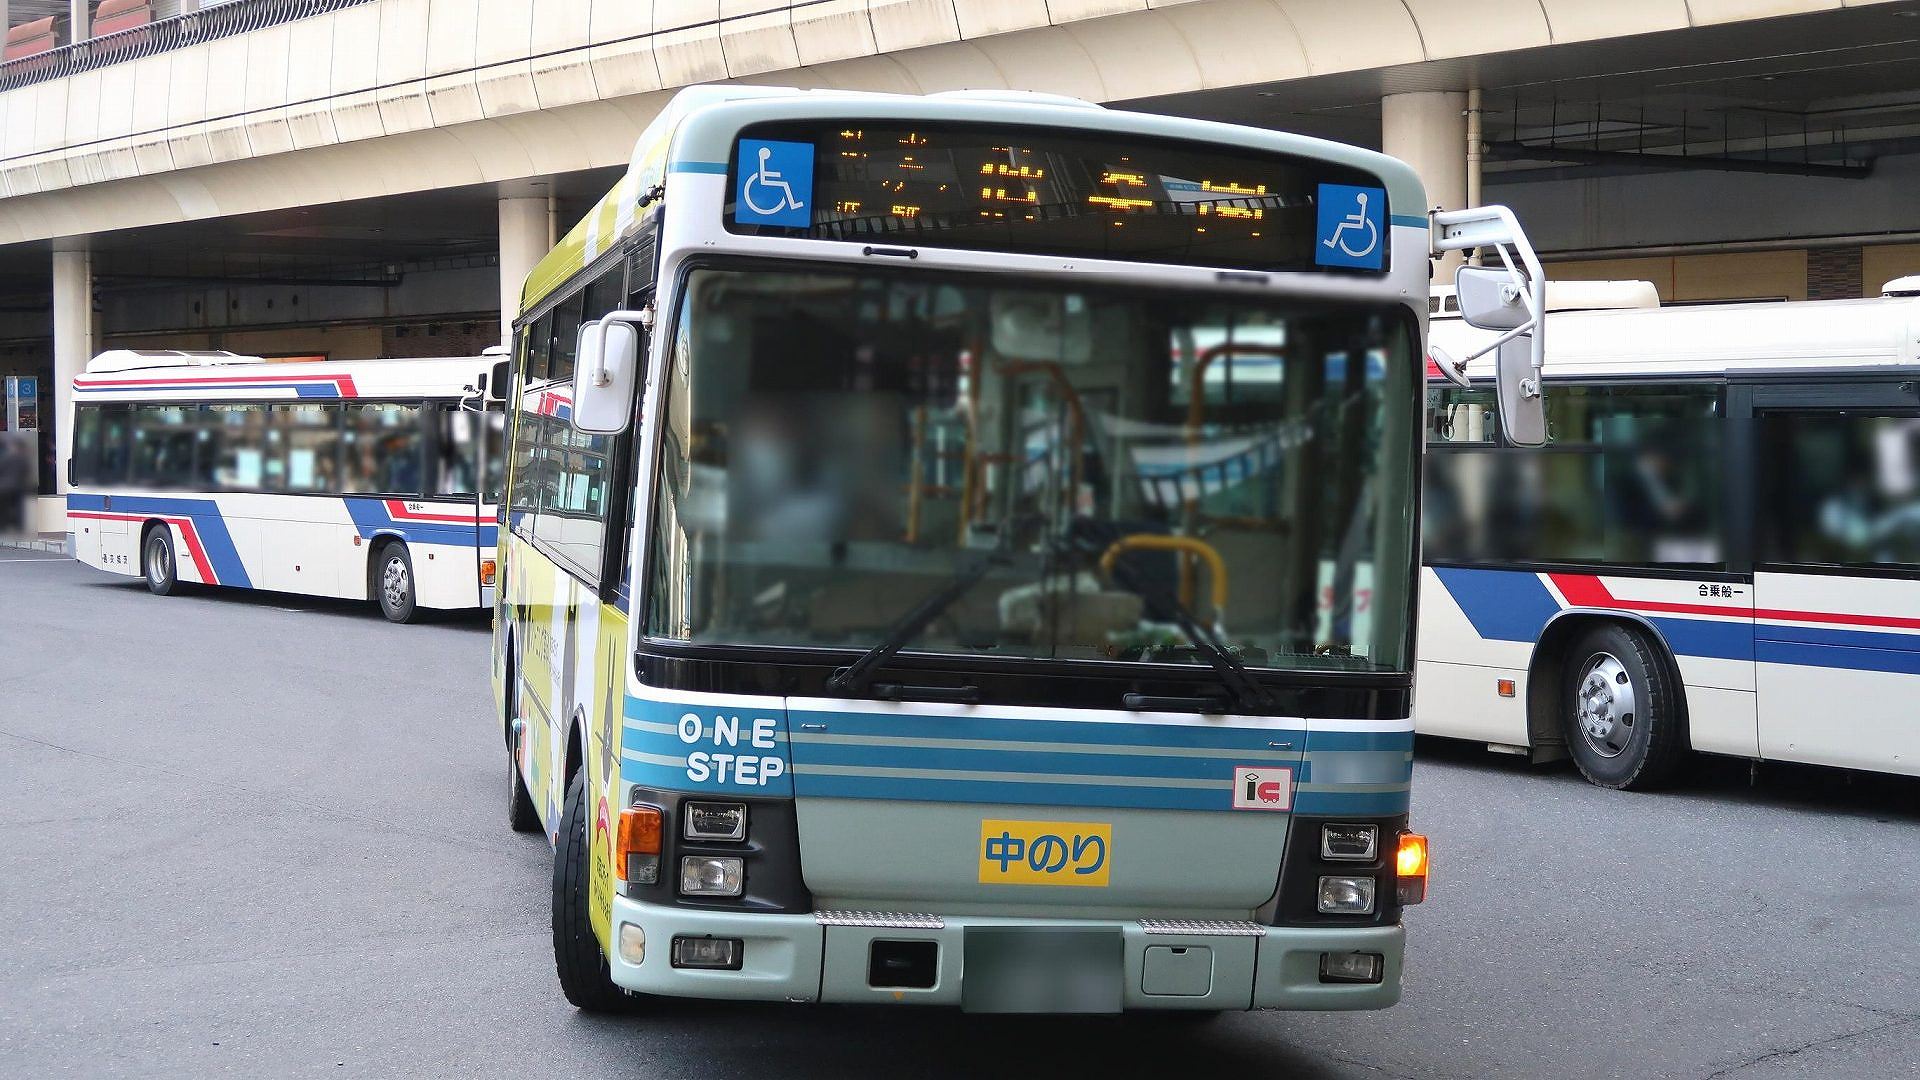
<point>1491,298</point>
<point>603,376</point>
<point>1523,409</point>
<point>497,380</point>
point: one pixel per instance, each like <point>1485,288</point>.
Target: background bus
<point>367,480</point>
<point>934,530</point>
<point>1719,549</point>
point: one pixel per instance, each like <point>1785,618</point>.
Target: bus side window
<point>566,336</point>
<point>86,444</point>
<point>538,367</point>
<point>1840,489</point>
<point>604,294</point>
<point>304,441</point>
<point>385,444</point>
<point>162,446</point>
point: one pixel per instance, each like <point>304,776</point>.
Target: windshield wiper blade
<point>1240,685</point>
<point>855,679</point>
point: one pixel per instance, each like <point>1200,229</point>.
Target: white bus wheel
<point>1620,710</point>
<point>157,562</point>
<point>392,583</point>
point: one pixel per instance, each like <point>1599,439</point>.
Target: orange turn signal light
<point>487,568</point>
<point>1410,868</point>
<point>636,849</point>
<point>1505,687</point>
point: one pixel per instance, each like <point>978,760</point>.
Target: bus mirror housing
<point>497,380</point>
<point>603,376</point>
<point>1510,298</point>
<point>1523,410</point>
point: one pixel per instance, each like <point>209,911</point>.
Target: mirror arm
<point>1496,227</point>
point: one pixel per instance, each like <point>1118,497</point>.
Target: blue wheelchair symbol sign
<point>775,185</point>
<point>1353,227</point>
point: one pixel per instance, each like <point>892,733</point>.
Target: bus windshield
<point>840,445</point>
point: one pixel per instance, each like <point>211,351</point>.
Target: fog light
<point>707,952</point>
<point>1346,895</point>
<point>633,943</point>
<point>1351,967</point>
<point>705,875</point>
<point>1349,843</point>
<point>714,821</point>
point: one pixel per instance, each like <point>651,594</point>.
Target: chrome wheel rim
<point>393,583</point>
<point>1606,705</point>
<point>158,561</point>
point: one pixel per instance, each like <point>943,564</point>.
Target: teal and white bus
<point>960,550</point>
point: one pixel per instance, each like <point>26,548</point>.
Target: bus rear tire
<point>1621,710</point>
<point>390,580</point>
<point>157,563</point>
<point>584,976</point>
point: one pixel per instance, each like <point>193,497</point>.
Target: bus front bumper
<point>1015,965</point>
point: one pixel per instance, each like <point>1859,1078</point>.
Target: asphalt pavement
<point>258,835</point>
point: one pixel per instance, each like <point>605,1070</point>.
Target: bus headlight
<point>1349,843</point>
<point>1346,895</point>
<point>708,875</point>
<point>714,821</point>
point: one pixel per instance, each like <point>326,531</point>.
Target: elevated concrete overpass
<point>364,177</point>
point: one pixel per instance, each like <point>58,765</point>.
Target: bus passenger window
<point>1840,489</point>
<point>384,445</point>
<point>228,445</point>
<point>457,453</point>
<point>566,337</point>
<point>303,448</point>
<point>162,446</point>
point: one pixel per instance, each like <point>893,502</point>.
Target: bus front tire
<point>391,582</point>
<point>577,959</point>
<point>1621,710</point>
<point>157,563</point>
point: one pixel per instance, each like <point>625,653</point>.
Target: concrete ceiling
<point>1831,88</point>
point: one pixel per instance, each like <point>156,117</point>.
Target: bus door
<point>1837,573</point>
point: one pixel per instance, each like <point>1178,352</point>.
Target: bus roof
<point>1714,339</point>
<point>133,375</point>
<point>695,129</point>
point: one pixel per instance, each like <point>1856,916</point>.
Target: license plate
<point>1042,971</point>
<point>1045,852</point>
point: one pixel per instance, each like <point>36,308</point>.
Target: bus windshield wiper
<point>856,679</point>
<point>1240,685</point>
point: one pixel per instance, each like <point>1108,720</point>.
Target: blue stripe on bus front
<point>207,524</point>
<point>973,759</point>
<point>1120,732</point>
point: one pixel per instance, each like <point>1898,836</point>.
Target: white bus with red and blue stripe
<point>1718,550</point>
<point>362,480</point>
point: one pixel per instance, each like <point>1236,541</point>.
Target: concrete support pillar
<point>73,342</point>
<point>1428,131</point>
<point>80,19</point>
<point>523,242</point>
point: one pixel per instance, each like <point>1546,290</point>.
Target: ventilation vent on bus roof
<point>1017,97</point>
<point>1902,286</point>
<point>133,359</point>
